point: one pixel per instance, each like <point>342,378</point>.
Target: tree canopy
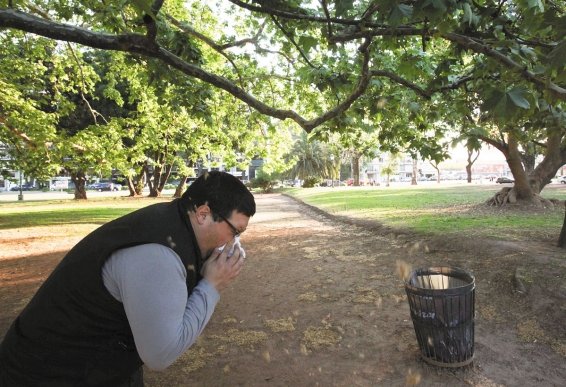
<point>403,71</point>
<point>335,47</point>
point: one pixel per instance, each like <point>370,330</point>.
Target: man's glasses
<point>235,231</point>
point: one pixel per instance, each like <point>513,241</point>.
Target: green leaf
<point>343,6</point>
<point>557,55</point>
<point>439,4</point>
<point>307,42</point>
<point>399,13</point>
<point>496,104</point>
<point>468,15</point>
<point>414,107</point>
<point>144,6</point>
<point>517,95</point>
<point>536,4</point>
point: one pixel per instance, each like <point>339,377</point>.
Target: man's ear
<point>201,212</point>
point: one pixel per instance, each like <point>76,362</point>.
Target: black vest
<point>74,332</point>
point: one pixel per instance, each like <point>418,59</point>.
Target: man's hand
<point>219,269</point>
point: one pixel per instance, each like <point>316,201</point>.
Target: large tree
<point>507,54</point>
<point>525,38</point>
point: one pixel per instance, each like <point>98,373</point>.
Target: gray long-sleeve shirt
<point>150,280</point>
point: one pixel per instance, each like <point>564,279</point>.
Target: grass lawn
<point>66,212</point>
<point>438,210</point>
<point>424,209</point>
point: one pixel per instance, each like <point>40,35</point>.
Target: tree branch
<point>92,111</point>
<point>327,14</point>
<point>150,19</point>
<point>466,42</point>
<point>391,75</point>
<point>370,10</point>
<point>21,135</point>
<point>556,90</point>
<point>242,42</point>
<point>496,144</point>
<point>363,82</point>
<point>381,31</point>
<point>189,30</point>
<point>138,44</point>
<point>288,35</point>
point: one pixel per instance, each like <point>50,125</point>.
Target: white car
<point>562,179</point>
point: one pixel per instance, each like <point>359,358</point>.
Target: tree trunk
<point>131,186</point>
<point>528,157</point>
<point>562,238</point>
<point>469,172</point>
<point>415,172</point>
<point>522,187</point>
<point>356,170</point>
<point>471,161</point>
<point>180,187</point>
<point>140,182</point>
<point>437,173</point>
<point>554,158</point>
<point>79,179</point>
<point>154,191</point>
<point>528,186</point>
<point>136,184</point>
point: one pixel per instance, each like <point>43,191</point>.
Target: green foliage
<point>311,182</point>
<point>435,66</point>
<point>425,210</point>
<point>309,158</point>
<point>264,182</point>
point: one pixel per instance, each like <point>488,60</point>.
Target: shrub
<point>263,183</point>
<point>310,182</point>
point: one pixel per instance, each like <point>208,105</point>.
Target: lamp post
<point>21,195</point>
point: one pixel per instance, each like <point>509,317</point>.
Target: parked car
<point>105,186</point>
<point>504,180</point>
<point>562,179</point>
<point>25,187</point>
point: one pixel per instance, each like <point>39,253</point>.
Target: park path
<point>318,303</point>
<point>314,305</point>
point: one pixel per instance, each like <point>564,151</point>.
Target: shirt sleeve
<point>150,280</point>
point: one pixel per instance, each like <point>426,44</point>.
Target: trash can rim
<point>450,271</point>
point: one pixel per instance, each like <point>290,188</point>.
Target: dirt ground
<point>320,303</point>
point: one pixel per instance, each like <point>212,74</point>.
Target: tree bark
<point>79,179</point>
<point>471,161</point>
<point>554,158</point>
<point>356,170</point>
<point>522,187</point>
<point>180,187</point>
<point>131,186</point>
<point>154,182</point>
<point>562,238</point>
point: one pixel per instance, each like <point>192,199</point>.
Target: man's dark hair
<point>222,192</point>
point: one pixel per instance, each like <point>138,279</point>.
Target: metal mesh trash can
<point>441,300</point>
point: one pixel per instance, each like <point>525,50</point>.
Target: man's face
<point>224,230</point>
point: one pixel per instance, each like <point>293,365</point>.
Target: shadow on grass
<point>61,217</point>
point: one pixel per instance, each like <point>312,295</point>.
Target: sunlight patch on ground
<point>281,325</point>
<point>318,337</point>
<point>241,338</point>
<point>17,243</point>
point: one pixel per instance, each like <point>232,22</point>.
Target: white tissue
<point>236,244</point>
